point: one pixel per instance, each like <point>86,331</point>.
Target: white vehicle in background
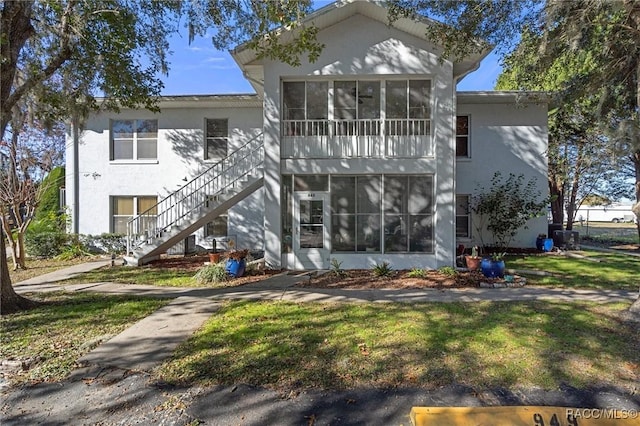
<point>615,213</point>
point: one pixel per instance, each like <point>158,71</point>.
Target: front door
<point>310,232</point>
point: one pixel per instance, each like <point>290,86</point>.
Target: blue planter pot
<point>544,244</point>
<point>235,268</point>
<point>492,269</point>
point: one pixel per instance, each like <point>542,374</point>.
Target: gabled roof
<point>340,11</point>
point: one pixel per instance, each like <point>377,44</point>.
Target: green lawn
<point>330,346</point>
<point>613,271</point>
<point>37,267</point>
<point>65,327</point>
<point>143,275</point>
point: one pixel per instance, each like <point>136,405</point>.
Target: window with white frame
<point>462,136</point>
<point>463,216</point>
<point>305,108</point>
<point>217,137</point>
<point>134,139</point>
<point>124,208</point>
<point>356,107</point>
<point>362,218</point>
<point>408,213</point>
<point>408,107</point>
<point>355,213</point>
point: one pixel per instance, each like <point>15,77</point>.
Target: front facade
<point>367,155</point>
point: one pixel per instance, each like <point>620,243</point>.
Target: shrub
<point>507,207</point>
<point>49,203</point>
<point>382,269</point>
<point>448,271</point>
<point>45,244</point>
<point>336,268</point>
<point>105,243</point>
<point>73,248</point>
<point>417,273</point>
<point>214,273</point>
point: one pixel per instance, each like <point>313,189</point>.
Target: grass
<point>613,271</point>
<point>171,277</point>
<point>605,232</point>
<point>329,346</point>
<point>66,326</point>
<point>37,267</point>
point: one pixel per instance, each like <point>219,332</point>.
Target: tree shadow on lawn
<point>483,345</point>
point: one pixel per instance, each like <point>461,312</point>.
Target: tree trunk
<point>16,26</point>
<point>10,301</point>
<point>636,154</point>
<point>571,205</point>
<point>556,187</point>
<point>636,163</point>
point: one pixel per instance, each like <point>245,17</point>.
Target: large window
<point>134,139</point>
<point>355,213</point>
<point>305,107</point>
<point>361,217</point>
<point>408,107</point>
<point>463,217</point>
<point>124,209</point>
<point>217,134</point>
<point>408,213</point>
<point>462,136</point>
<point>355,105</point>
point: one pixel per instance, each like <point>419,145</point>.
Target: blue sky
<point>198,68</point>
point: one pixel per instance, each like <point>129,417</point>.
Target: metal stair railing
<point>196,194</point>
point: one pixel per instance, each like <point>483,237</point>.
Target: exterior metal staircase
<point>201,200</point>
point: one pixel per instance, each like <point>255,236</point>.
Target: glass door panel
<point>311,234</point>
<point>311,224</point>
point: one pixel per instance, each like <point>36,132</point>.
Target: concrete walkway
<point>153,339</point>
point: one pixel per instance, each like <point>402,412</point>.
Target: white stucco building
<point>367,155</point>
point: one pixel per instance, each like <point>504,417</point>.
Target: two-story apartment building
<point>367,155</point>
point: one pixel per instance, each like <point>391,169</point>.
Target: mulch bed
<point>351,279</point>
<point>364,279</point>
<point>192,264</point>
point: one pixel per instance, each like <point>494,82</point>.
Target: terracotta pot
<point>473,263</point>
<point>214,257</point>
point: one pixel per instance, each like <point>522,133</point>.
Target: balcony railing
<point>395,138</point>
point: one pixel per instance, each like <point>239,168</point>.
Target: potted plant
<point>543,243</point>
<point>236,262</point>
<point>493,267</point>
<point>214,256</point>
<point>473,260</point>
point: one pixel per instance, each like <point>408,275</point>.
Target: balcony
<point>375,138</point>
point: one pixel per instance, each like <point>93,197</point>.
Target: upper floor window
<point>305,107</point>
<point>216,141</point>
<point>462,136</point>
<point>408,107</point>
<point>134,139</point>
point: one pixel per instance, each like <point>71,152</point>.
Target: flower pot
<point>214,257</point>
<point>473,263</point>
<point>235,268</point>
<point>544,244</point>
<point>492,269</point>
